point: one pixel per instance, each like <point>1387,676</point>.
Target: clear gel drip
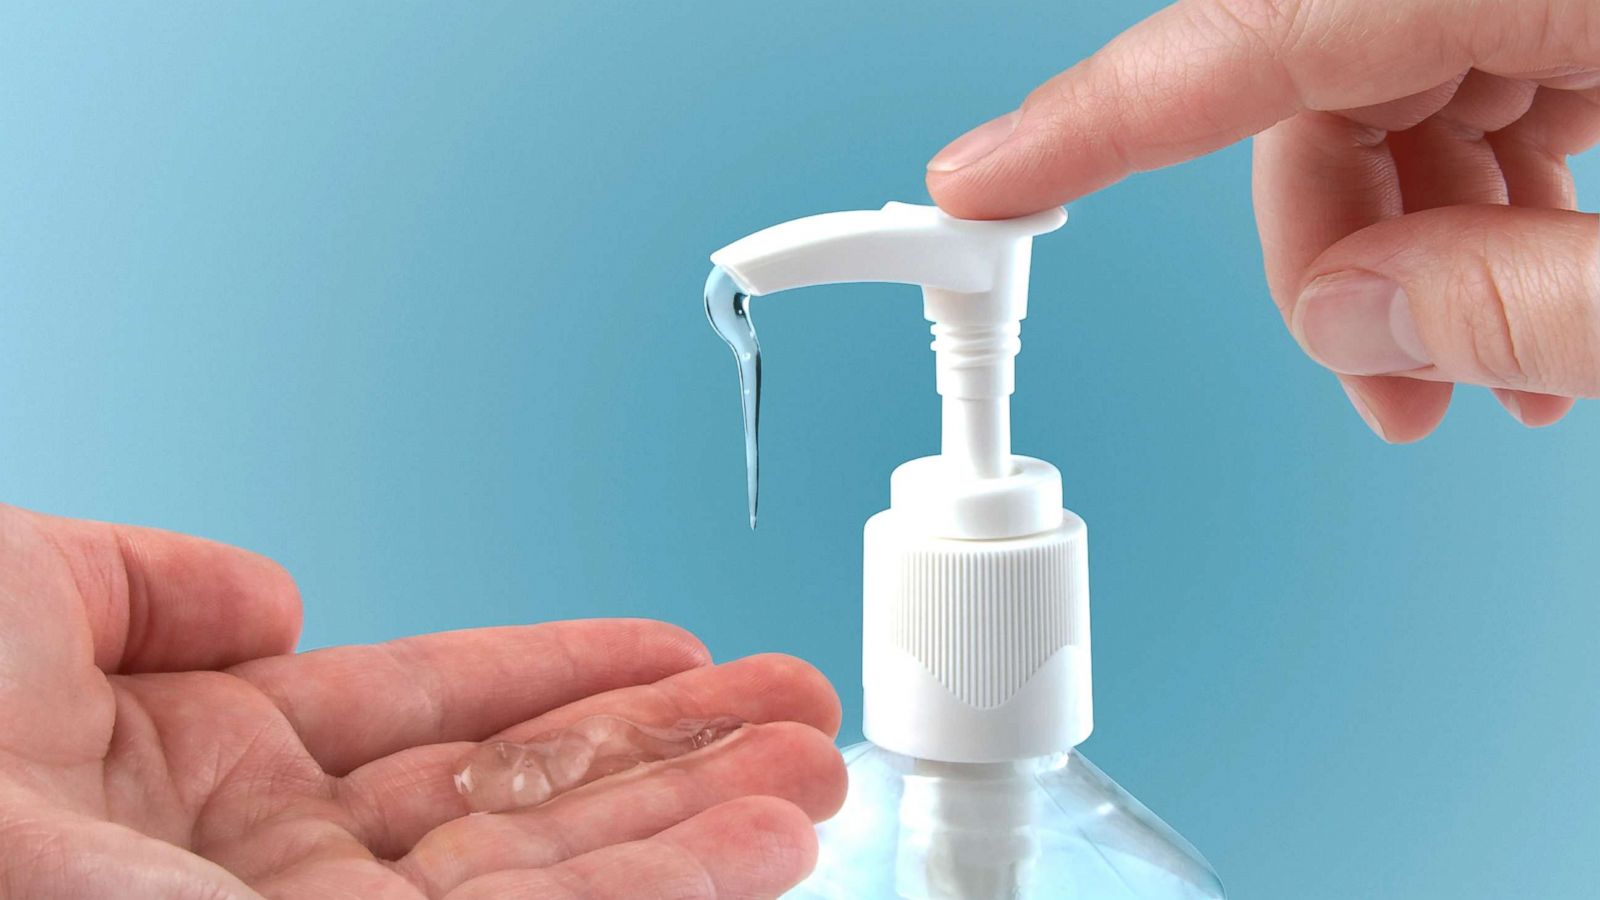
<point>502,775</point>
<point>728,308</point>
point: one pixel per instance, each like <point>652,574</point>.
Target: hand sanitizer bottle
<point>976,601</point>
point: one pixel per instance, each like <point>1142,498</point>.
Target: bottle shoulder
<point>1051,827</point>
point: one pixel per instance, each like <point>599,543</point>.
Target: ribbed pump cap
<point>976,619</point>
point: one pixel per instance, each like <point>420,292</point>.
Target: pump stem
<point>975,373</point>
<point>976,436</point>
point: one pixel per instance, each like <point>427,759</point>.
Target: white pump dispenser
<point>976,675</point>
<point>955,670</point>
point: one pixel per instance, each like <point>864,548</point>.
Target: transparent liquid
<point>1054,827</point>
<point>729,312</point>
<point>502,775</point>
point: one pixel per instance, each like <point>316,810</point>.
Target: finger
<point>397,799</point>
<point>1563,123</point>
<point>1533,409</point>
<point>1461,156</point>
<point>1490,295</point>
<point>351,705</point>
<point>1450,160</point>
<point>1406,112</point>
<point>1483,103</point>
<point>154,600</point>
<point>1571,78</point>
<point>1317,178</point>
<point>793,762</point>
<point>1398,410</point>
<point>1202,74</point>
<point>1320,177</point>
<point>1441,161</point>
<point>756,847</point>
<point>1533,150</point>
<point>1447,160</point>
<point>768,687</point>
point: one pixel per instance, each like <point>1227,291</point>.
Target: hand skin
<point>162,740</point>
<point>1411,183</point>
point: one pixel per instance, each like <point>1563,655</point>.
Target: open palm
<point>163,740</point>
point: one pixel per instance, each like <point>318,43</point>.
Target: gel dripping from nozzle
<point>728,308</point>
<point>502,775</point>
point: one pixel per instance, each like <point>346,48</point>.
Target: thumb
<point>1500,296</point>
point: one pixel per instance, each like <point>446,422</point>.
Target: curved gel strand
<point>503,775</point>
<point>728,308</point>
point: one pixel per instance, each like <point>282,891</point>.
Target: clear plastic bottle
<point>1050,827</point>
<point>975,628</point>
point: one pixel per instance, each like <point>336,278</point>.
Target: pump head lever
<point>901,242</point>
<point>974,279</point>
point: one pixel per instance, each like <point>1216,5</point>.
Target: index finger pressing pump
<point>976,600</point>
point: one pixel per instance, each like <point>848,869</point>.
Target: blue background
<point>409,299</point>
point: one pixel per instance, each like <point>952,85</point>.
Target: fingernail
<point>975,144</point>
<point>1363,410</point>
<point>1511,402</point>
<point>1359,323</point>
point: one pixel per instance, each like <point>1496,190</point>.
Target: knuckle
<point>677,874</point>
<point>680,641</point>
<point>788,669</point>
<point>810,696</point>
<point>45,856</point>
<point>1269,24</point>
<point>1529,318</point>
<point>1276,31</point>
<point>780,834</point>
<point>1491,341</point>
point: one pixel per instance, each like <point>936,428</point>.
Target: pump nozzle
<point>974,276</point>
